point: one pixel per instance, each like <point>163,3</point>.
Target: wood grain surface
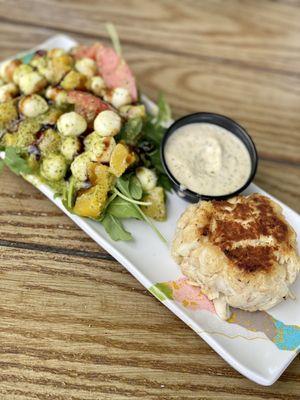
<point>74,324</point>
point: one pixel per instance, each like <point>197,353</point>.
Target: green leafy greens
<point>68,195</point>
<point>125,206</point>
<point>122,208</point>
<point>114,37</point>
<point>149,138</point>
<point>135,187</point>
<point>15,162</point>
<point>132,131</point>
<point>114,228</point>
<point>164,111</point>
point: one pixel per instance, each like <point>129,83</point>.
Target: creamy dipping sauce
<point>207,159</point>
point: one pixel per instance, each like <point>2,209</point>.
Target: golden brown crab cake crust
<point>242,252</point>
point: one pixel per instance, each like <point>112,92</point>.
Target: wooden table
<point>74,324</point>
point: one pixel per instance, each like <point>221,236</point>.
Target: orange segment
<point>100,174</point>
<point>91,202</point>
<point>121,158</point>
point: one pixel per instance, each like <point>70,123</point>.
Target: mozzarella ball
<point>118,97</point>
<point>32,82</point>
<point>96,85</point>
<point>70,147</point>
<point>7,69</point>
<point>147,178</point>
<point>107,123</point>
<point>79,166</point>
<point>8,92</point>
<point>99,147</point>
<point>54,167</point>
<point>33,105</point>
<point>59,96</point>
<point>86,66</point>
<point>130,111</point>
<point>20,71</point>
<point>71,124</point>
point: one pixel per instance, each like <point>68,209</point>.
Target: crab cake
<point>242,252</point>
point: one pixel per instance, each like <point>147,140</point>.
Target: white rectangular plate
<point>259,345</point>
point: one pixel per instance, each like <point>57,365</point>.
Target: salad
<point>75,120</point>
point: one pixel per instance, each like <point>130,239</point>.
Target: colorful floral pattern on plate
<point>285,337</point>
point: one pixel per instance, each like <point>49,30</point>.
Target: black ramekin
<point>224,122</point>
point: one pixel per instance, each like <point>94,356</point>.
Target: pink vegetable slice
<point>113,68</point>
<point>86,51</point>
<point>86,104</point>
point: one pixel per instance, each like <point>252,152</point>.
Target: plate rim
<point>133,270</point>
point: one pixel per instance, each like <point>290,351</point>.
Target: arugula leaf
<point>131,131</point>
<point>130,199</point>
<point>122,208</point>
<point>156,161</point>
<point>57,195</point>
<point>164,182</point>
<point>164,111</point>
<point>123,185</point>
<point>135,188</point>
<point>153,131</point>
<point>114,37</point>
<point>15,162</point>
<point>69,195</point>
<point>115,229</point>
<point>71,192</point>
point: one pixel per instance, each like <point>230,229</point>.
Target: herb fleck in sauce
<point>208,159</point>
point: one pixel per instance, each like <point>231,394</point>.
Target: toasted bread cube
<point>20,71</point>
<point>100,147</point>
<point>59,96</point>
<point>157,208</point>
<point>26,133</point>
<point>130,111</point>
<point>8,92</point>
<point>56,52</point>
<point>54,69</point>
<point>33,105</point>
<point>96,85</point>
<point>8,139</point>
<point>32,82</point>
<point>86,66</point>
<point>7,69</point>
<point>70,147</point>
<point>8,113</point>
<point>50,142</point>
<point>73,80</point>
<point>118,97</point>
<point>79,166</point>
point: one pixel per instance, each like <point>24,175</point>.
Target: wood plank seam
<point>56,250</point>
